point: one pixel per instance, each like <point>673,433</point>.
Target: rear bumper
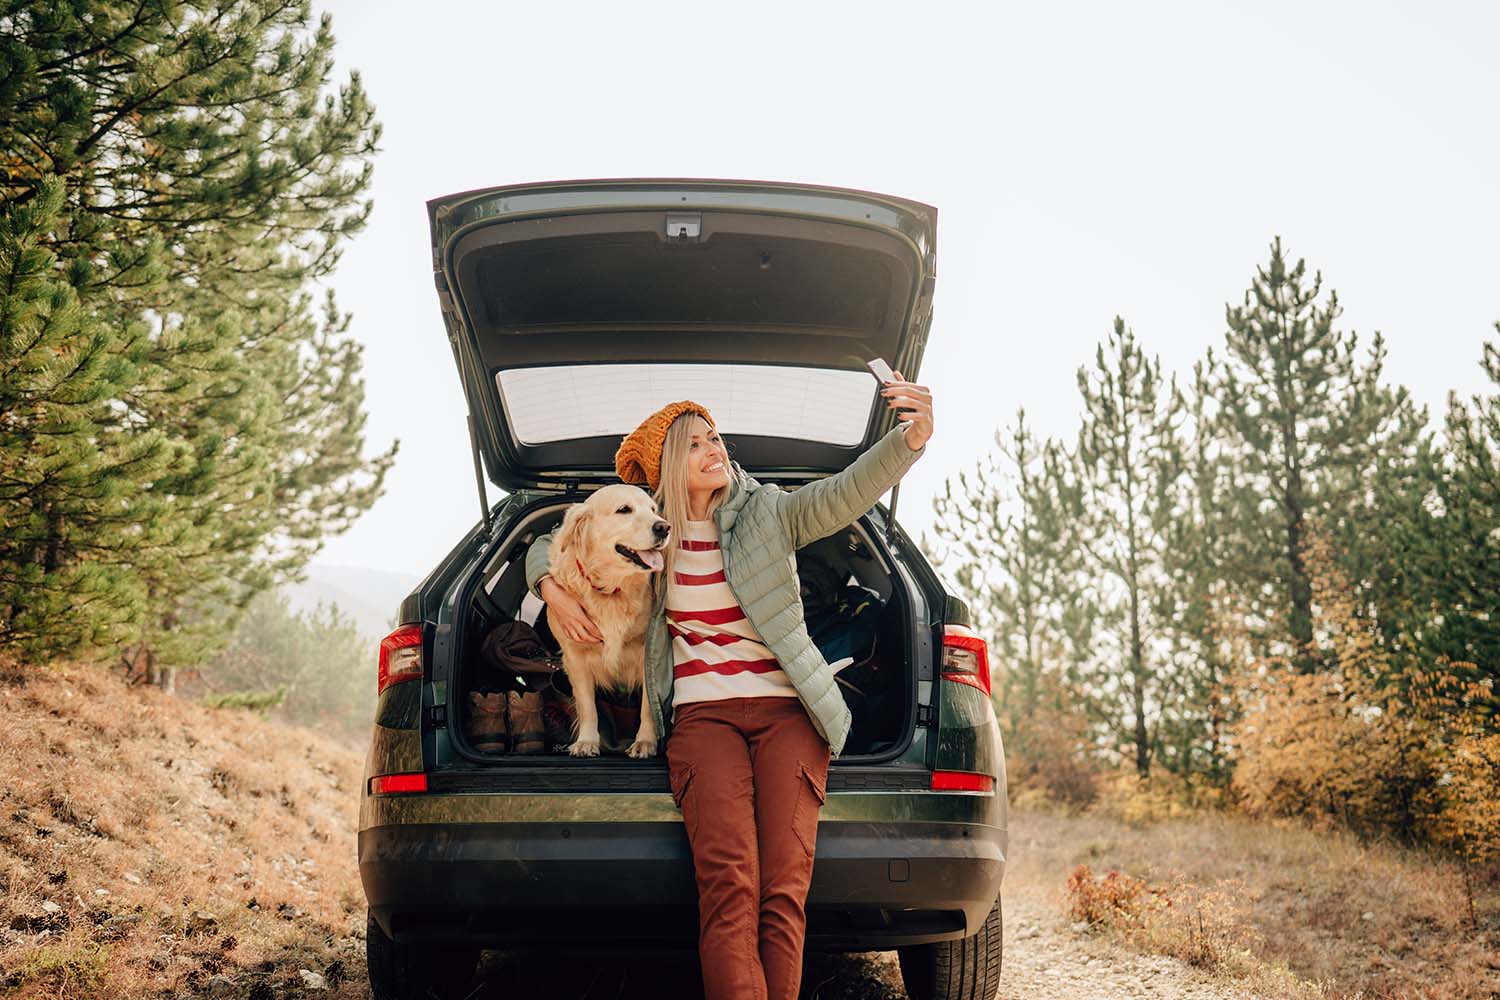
<point>611,884</point>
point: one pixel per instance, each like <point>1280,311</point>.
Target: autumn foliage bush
<point>1370,744</point>
<point>1111,899</point>
<point>1200,926</point>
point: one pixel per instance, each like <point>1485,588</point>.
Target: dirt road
<point>1046,956</point>
<point>1046,959</point>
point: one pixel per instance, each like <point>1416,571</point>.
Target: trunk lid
<point>574,309</point>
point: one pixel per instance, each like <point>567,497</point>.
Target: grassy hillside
<point>153,847</point>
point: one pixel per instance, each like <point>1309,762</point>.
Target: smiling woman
<point>754,709</point>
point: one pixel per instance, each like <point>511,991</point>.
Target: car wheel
<point>966,969</point>
<point>417,972</point>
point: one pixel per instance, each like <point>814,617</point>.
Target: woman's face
<point>707,461</point>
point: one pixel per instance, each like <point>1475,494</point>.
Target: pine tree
<point>207,178</point>
<point>1002,536</point>
<point>1312,431</point>
<point>1205,632</point>
<point>1005,546</point>
<point>1128,462</point>
<point>1453,555</point>
<point>75,502</point>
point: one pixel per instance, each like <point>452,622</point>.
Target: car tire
<point>417,972</point>
<point>966,969</point>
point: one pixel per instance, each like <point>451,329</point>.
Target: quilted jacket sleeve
<point>821,508</point>
<point>537,560</point>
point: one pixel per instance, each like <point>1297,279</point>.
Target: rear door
<point>575,309</point>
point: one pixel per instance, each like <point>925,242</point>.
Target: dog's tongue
<point>652,558</point>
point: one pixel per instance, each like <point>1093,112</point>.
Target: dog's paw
<point>584,748</point>
<point>641,749</point>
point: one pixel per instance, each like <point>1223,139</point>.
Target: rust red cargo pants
<point>749,774</point>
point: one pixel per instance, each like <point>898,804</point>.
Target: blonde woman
<point>753,708</point>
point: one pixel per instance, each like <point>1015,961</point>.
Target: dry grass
<point>1289,910</point>
<point>150,844</point>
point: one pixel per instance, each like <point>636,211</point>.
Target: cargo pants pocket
<point>680,774</point>
<point>811,795</point>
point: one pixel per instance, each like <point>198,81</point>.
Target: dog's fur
<point>585,556</point>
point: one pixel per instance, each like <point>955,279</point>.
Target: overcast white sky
<point>1087,160</point>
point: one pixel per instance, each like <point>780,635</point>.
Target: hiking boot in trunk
<point>529,735</point>
<point>488,732</point>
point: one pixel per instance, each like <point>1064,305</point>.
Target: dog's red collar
<point>591,582</point>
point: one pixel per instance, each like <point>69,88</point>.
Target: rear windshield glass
<point>564,402</point>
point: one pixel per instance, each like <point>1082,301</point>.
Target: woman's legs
<point>749,774</point>
<point>790,762</point>
<point>713,783</point>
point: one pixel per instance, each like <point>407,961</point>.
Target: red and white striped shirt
<point>716,653</point>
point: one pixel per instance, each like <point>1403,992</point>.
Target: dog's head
<point>615,532</point>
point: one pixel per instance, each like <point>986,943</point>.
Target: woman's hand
<point>566,614</point>
<point>913,406</point>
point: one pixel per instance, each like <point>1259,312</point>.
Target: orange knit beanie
<point>638,461</point>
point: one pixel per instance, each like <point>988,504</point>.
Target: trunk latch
<point>684,225</point>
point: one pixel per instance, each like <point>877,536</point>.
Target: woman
<point>755,713</point>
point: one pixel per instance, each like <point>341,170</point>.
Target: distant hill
<point>370,596</point>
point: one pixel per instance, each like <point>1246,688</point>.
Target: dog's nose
<point>661,529</point>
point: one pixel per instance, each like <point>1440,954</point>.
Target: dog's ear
<point>574,533</point>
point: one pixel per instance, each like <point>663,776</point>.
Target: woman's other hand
<point>913,406</point>
<point>566,614</point>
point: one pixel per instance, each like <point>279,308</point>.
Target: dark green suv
<point>573,309</point>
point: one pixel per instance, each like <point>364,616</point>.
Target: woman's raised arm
<point>821,508</point>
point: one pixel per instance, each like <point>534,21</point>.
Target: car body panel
<point>879,884</point>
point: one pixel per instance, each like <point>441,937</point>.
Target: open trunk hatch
<point>575,309</point>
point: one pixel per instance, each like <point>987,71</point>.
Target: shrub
<point>1047,750</point>
<point>1114,900</point>
<point>1319,746</point>
<point>69,971</point>
<point>255,701</point>
<point>1201,927</point>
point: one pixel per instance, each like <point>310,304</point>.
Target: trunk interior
<point>855,608</point>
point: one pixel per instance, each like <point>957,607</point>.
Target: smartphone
<point>881,370</point>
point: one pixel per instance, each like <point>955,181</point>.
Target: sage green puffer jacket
<point>761,526</point>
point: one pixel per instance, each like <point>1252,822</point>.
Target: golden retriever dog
<point>604,555</point>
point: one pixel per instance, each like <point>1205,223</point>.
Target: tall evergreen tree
<point>1453,550</point>
<point>75,502</point>
<point>1128,462</point>
<point>1312,429</point>
<point>1204,633</point>
<point>207,177</point>
<point>1005,544</point>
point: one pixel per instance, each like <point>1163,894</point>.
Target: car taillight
<point>961,781</point>
<point>966,657</point>
<point>400,657</point>
<point>391,784</point>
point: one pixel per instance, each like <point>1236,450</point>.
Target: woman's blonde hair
<point>672,490</point>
